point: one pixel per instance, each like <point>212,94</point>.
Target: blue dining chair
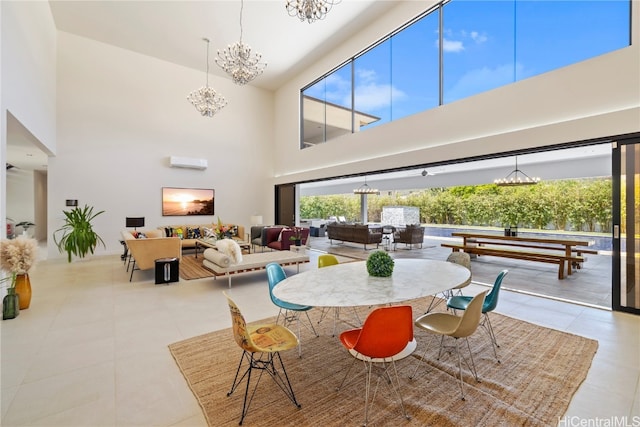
<point>292,312</point>
<point>461,302</point>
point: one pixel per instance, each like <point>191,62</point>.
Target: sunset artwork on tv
<point>187,201</point>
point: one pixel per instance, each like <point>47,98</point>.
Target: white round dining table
<point>349,284</point>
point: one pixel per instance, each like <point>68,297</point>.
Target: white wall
<point>594,98</point>
<point>122,114</point>
<point>28,83</point>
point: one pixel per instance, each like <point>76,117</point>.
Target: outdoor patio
<point>590,285</point>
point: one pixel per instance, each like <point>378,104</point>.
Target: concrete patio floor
<point>590,285</point>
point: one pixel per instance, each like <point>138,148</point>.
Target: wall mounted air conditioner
<point>187,162</point>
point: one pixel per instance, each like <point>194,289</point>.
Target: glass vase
<point>10,305</point>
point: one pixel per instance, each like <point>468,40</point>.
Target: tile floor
<point>92,348</point>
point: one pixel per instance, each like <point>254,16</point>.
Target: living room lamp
<point>135,222</point>
<point>516,178</point>
<point>206,100</point>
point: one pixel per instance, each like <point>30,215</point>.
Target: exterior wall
<point>595,98</point>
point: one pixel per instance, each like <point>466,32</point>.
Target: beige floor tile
<point>92,349</point>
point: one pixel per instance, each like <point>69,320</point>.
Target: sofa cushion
<point>217,257</point>
<point>230,248</point>
<point>152,234</point>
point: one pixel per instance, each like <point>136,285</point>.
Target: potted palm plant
<point>76,236</point>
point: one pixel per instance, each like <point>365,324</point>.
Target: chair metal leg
<point>133,268</point>
<point>486,324</point>
<point>265,363</point>
<point>389,379</point>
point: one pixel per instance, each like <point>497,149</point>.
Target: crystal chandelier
<point>237,60</point>
<point>310,10</point>
<point>516,178</point>
<point>206,100</point>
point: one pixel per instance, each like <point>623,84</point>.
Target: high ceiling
<point>173,31</point>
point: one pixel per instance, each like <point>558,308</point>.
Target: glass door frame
<point>616,276</point>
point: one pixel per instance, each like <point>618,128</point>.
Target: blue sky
<point>486,44</point>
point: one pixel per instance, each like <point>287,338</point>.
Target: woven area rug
<point>540,371</point>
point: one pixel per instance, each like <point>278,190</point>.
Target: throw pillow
<point>230,248</point>
<point>196,233</point>
<point>207,232</point>
<point>281,231</point>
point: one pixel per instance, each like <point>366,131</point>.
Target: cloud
<point>477,37</point>
<point>481,80</point>
<point>451,45</point>
<point>373,96</point>
<point>370,95</point>
<point>456,40</point>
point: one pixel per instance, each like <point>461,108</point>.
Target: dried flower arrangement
<point>18,255</point>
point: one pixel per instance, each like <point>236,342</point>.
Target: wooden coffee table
<point>207,242</point>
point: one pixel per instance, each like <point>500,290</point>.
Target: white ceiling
<point>173,31</point>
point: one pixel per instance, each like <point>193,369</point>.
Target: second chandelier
<point>238,61</point>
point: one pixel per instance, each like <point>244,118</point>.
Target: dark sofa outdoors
<point>354,233</point>
<point>412,234</point>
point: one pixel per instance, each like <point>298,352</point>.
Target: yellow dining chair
<point>446,324</point>
<point>327,260</point>
<point>261,346</point>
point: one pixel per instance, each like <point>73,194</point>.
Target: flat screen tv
<point>187,201</point>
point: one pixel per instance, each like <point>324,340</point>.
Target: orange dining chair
<point>446,324</point>
<point>261,346</point>
<point>385,336</point>
<point>327,260</point>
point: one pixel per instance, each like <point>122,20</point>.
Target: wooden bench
<point>577,251</point>
<point>547,257</point>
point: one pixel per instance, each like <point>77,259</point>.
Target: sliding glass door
<point>626,233</point>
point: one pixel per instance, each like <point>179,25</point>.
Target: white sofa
<point>220,264</point>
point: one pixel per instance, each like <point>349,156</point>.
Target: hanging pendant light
<point>516,178</point>
<point>238,61</point>
<point>365,189</point>
<point>310,10</point>
<point>206,100</point>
